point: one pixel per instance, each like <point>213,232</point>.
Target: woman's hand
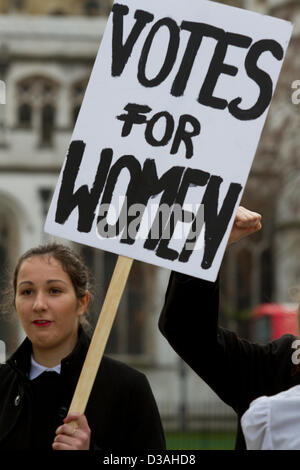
<point>74,434</point>
<point>245,223</point>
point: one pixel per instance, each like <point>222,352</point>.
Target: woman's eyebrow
<point>25,282</point>
<point>56,280</point>
<point>48,282</point>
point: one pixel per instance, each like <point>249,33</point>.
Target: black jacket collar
<point>20,359</point>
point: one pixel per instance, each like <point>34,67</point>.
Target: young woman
<point>51,295</point>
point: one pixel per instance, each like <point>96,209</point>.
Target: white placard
<point>168,130</point>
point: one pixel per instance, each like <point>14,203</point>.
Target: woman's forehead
<point>41,266</point>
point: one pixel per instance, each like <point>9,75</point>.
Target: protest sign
<point>168,130</point>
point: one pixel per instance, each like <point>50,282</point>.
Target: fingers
<point>68,437</point>
<point>245,218</point>
<point>246,222</point>
<point>74,434</point>
<point>78,417</point>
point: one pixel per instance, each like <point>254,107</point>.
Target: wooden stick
<point>101,334</point>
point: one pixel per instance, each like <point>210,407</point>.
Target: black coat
<point>237,370</point>
<point>121,412</point>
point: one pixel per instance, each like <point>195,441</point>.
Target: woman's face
<point>46,303</point>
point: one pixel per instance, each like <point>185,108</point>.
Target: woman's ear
<point>84,302</point>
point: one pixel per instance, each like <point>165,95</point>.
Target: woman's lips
<point>42,322</point>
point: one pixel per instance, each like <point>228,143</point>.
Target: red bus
<point>270,321</point>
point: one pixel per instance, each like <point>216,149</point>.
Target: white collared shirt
<point>273,423</point>
<point>36,369</point>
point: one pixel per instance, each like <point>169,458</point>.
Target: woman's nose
<point>40,303</point>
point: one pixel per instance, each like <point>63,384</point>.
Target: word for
<point>150,459</point>
<point>144,184</point>
<point>296,94</point>
<point>136,115</point>
<point>122,50</point>
<point>2,92</point>
<point>151,225</point>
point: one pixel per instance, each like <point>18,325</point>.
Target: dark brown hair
<point>71,262</point>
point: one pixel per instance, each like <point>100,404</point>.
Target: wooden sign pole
<point>101,334</point>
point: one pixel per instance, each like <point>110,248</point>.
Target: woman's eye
<point>26,292</point>
<point>54,290</point>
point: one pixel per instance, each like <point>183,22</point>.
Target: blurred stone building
<point>47,50</point>
<point>265,267</point>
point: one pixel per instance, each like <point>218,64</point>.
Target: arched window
<point>58,12</point>
<point>92,7</point>
<point>25,103</point>
<point>37,99</point>
<point>47,124</point>
<point>17,5</point>
<point>25,115</point>
<point>77,94</point>
<point>97,7</point>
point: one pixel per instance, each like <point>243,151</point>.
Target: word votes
<point>144,184</point>
<point>122,50</point>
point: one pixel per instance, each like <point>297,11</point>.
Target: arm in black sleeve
<point>189,317</point>
<point>236,369</point>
